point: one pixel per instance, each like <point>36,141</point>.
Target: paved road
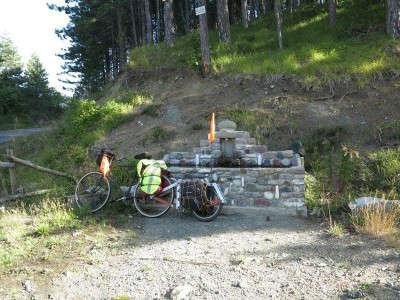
<point>7,135</point>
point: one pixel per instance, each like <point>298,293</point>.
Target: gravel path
<point>243,254</point>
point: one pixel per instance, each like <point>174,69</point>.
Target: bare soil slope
<point>183,101</point>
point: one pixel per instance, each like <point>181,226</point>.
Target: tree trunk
<point>142,24</point>
<point>278,16</point>
<point>224,27</point>
<point>133,23</point>
<point>184,7</point>
<point>205,48</point>
<point>252,10</point>
<point>149,26</point>
<point>393,18</point>
<point>158,21</point>
<point>262,7</point>
<point>332,13</point>
<point>245,15</point>
<point>169,23</point>
<point>290,4</point>
<point>107,60</point>
<point>122,59</point>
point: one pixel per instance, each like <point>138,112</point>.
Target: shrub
<point>85,122</point>
<point>313,190</point>
<point>197,126</point>
<point>260,124</point>
<point>152,110</point>
<point>384,172</point>
<point>336,230</point>
<point>351,168</point>
<point>244,47</point>
<point>54,217</point>
<point>161,134</point>
<point>388,132</point>
<point>325,140</point>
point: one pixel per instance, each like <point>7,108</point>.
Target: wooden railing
<point>11,164</point>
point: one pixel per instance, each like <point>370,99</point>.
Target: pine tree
<point>224,28</point>
<point>393,18</point>
<point>11,78</point>
<point>332,13</point>
<point>38,95</point>
<point>169,24</point>
<point>9,58</point>
<point>245,17</point>
<point>278,16</point>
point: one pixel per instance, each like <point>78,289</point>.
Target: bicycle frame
<point>126,192</point>
<point>177,186</point>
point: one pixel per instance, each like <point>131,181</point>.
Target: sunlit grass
<point>312,50</point>
<point>336,230</point>
<point>50,230</point>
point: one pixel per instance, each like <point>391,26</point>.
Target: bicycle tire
<point>214,215</point>
<point>139,208</point>
<point>104,190</point>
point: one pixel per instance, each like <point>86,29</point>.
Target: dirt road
<point>7,135</point>
<point>248,254</point>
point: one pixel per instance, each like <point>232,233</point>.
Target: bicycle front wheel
<point>154,206</point>
<point>92,191</point>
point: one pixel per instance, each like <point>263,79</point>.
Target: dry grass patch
<point>377,220</point>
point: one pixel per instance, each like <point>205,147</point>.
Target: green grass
<point>86,122</point>
<point>336,230</point>
<point>49,230</point>
<point>66,148</point>
<point>357,48</point>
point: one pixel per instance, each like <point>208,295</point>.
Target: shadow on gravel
<point>355,250</point>
<point>374,291</point>
<point>173,227</point>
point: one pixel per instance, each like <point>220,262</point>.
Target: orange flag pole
<point>211,135</point>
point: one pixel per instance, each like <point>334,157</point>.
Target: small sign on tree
<point>200,7</point>
<point>205,48</point>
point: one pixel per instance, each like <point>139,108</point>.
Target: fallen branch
<point>325,98</point>
<point>39,168</point>
<point>346,94</point>
<point>18,196</point>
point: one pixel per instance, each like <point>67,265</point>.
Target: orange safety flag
<point>211,135</point>
<point>105,166</point>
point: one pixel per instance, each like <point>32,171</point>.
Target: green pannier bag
<point>149,172</point>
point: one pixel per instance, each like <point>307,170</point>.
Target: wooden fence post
<point>13,174</point>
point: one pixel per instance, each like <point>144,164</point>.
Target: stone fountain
<point>249,174</point>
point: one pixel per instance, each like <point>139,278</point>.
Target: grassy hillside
<point>357,48</point>
<point>345,138</point>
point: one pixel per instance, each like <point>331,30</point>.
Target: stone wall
<point>269,159</point>
<point>255,187</point>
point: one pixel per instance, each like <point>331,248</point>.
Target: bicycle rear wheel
<point>153,206</point>
<point>92,191</point>
<point>210,208</point>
